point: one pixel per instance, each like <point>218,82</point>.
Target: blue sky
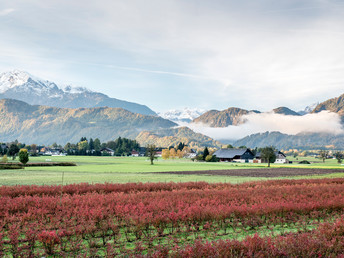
<point>173,54</point>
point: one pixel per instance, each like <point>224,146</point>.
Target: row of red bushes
<point>326,241</point>
<point>83,188</point>
<point>141,212</point>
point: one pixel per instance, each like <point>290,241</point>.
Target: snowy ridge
<point>16,78</point>
<point>182,115</point>
<point>308,109</point>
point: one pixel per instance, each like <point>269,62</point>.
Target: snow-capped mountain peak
<point>35,91</point>
<point>9,80</point>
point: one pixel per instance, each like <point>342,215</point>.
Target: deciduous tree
<point>23,156</point>
<point>165,154</point>
<point>268,155</point>
<point>151,151</point>
<point>339,156</point>
<point>323,155</point>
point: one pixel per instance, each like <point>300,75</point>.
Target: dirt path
<point>263,172</point>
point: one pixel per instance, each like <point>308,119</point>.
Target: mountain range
<point>234,116</point>
<point>46,125</point>
<point>26,87</point>
<point>38,111</point>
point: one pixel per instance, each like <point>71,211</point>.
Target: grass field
<point>136,169</point>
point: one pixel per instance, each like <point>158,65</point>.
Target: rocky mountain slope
<point>285,111</point>
<point>335,105</point>
<point>25,87</point>
<point>46,125</point>
<point>224,118</point>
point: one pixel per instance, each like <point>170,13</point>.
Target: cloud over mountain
<point>323,122</point>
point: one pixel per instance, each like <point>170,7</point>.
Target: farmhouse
<point>235,155</point>
<point>280,158</point>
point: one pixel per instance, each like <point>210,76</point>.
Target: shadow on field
<point>262,172</point>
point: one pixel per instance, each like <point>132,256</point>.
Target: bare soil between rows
<point>262,172</point>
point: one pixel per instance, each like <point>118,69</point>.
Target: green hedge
<point>16,165</point>
<point>11,166</point>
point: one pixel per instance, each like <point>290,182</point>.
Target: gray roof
<point>259,154</point>
<point>229,153</point>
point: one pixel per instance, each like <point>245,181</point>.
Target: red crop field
<point>271,218</point>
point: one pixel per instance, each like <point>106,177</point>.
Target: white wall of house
<point>281,161</point>
<point>242,160</point>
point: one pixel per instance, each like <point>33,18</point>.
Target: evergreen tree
<point>205,153</point>
<point>13,150</point>
<point>180,146</point>
<point>97,144</point>
<point>91,144</point>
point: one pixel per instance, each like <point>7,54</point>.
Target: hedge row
<point>50,164</point>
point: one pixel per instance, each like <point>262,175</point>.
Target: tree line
<point>120,146</point>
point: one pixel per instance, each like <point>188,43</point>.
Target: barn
<point>235,155</point>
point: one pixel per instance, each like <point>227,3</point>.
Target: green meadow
<point>138,169</point>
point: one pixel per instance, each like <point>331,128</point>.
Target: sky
<point>171,54</point>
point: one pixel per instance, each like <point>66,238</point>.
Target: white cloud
<point>324,121</point>
<point>251,54</point>
<point>7,11</point>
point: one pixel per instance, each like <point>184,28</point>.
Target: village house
<point>107,152</point>
<point>46,151</point>
<point>235,155</point>
<point>134,153</point>
<point>191,154</point>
